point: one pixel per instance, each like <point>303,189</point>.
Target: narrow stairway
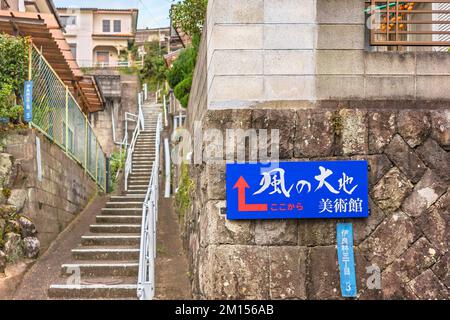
<point>105,264</point>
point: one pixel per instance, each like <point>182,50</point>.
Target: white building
<point>99,37</point>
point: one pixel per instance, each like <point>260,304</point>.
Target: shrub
<point>116,163</point>
<point>182,91</point>
<point>181,74</point>
<point>13,72</point>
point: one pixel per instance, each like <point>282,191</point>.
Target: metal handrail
<point>139,127</point>
<point>141,118</point>
<point>129,161</point>
<point>147,255</point>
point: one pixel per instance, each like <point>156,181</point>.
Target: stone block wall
<point>310,52</point>
<point>63,192</point>
<point>406,235</point>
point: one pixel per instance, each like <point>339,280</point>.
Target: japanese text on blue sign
<point>28,101</point>
<point>346,259</point>
<point>298,190</point>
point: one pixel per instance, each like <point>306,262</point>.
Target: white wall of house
<point>90,40</point>
<point>80,34</point>
<point>126,22</point>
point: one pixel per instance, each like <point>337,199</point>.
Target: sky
<point>152,13</point>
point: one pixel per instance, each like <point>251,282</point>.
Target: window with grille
<point>409,23</point>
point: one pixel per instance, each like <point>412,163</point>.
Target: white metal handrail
<point>141,112</point>
<point>139,127</point>
<point>129,161</point>
<point>147,255</point>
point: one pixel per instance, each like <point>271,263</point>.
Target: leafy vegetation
<point>154,69</point>
<point>116,163</point>
<point>189,15</point>
<point>183,196</point>
<point>13,72</point>
<point>181,74</point>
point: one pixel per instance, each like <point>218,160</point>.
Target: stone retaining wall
<point>65,189</point>
<point>406,235</point>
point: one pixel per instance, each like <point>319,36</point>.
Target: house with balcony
<point>100,37</point>
<point>39,20</point>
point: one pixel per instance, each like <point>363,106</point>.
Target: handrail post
<point>67,120</point>
<point>96,160</point>
<point>86,145</point>
<point>30,68</point>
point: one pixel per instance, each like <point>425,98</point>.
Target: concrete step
<point>146,158</point>
<point>138,155</point>
<point>101,269</point>
<point>138,181</point>
<point>146,164</point>
<point>137,191</point>
<point>142,166</point>
<point>132,204</point>
<point>122,211</point>
<point>127,198</point>
<point>105,253</point>
<point>111,239</point>
<point>118,219</point>
<point>140,175</point>
<point>92,291</point>
<point>139,170</point>
<point>115,228</point>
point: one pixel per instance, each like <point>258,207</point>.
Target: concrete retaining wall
<point>309,51</point>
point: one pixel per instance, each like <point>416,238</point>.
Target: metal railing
<point>130,151</point>
<point>146,276</point>
<point>111,64</point>
<point>409,22</point>
<point>58,116</point>
<point>140,126</point>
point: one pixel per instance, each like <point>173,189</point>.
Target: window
<point>117,26</point>
<point>68,20</point>
<point>397,23</point>
<point>73,48</point>
<point>106,26</point>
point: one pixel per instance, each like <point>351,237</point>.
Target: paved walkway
<point>172,280</point>
<point>47,269</point>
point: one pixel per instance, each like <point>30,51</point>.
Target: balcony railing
<point>113,64</point>
<point>409,23</point>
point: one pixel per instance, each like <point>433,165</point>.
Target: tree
<point>154,69</point>
<point>189,16</point>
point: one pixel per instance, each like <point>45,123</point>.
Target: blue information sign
<point>346,259</point>
<point>28,101</point>
<point>298,190</point>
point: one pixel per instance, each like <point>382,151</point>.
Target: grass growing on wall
<point>183,196</point>
<point>116,163</point>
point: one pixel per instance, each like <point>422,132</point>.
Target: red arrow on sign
<point>241,185</point>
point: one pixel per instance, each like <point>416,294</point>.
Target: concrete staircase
<point>107,259</point>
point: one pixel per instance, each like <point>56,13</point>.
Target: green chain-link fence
<point>57,115</point>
